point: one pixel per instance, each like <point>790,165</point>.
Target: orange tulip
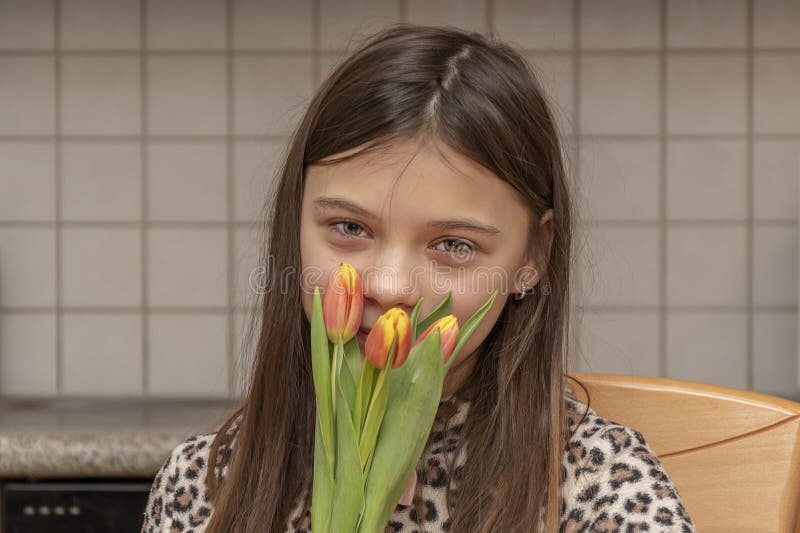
<point>448,334</point>
<point>343,303</point>
<point>393,322</point>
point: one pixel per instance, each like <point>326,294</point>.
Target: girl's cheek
<point>307,306</point>
<point>486,325</point>
<point>308,280</point>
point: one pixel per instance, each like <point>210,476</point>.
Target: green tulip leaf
<point>410,412</point>
<point>321,372</point>
<point>323,487</point>
<point>366,385</point>
<point>440,311</point>
<point>348,499</point>
<point>415,317</point>
<point>352,355</point>
<point>466,331</point>
<point>377,408</point>
<point>346,379</point>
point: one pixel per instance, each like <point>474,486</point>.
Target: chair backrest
<point>734,455</point>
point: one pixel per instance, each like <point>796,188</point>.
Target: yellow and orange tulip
<point>448,334</point>
<point>393,322</point>
<point>343,303</point>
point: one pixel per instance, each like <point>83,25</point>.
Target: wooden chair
<point>734,455</point>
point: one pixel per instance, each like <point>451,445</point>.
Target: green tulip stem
<point>333,376</point>
<point>376,410</point>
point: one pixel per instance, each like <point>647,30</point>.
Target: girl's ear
<point>539,259</point>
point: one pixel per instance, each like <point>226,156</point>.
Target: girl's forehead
<point>416,180</point>
<point>404,157</point>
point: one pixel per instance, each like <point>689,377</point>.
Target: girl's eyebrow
<point>462,223</point>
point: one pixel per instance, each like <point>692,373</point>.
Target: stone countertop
<point>80,438</point>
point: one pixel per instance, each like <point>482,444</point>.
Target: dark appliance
<point>73,506</point>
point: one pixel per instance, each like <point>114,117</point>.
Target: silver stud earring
<point>524,292</point>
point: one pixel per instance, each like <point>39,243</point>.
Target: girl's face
<point>432,231</point>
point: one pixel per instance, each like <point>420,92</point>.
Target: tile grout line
<point>576,164</point>
<point>243,224</point>
<point>316,56</point>
<point>203,138</point>
<point>97,309</point>
<point>171,310</point>
<point>229,201</point>
<point>59,326</point>
<point>663,322</point>
<point>750,245</point>
<point>316,74</point>
<point>144,158</point>
<point>316,80</point>
<point>109,52</point>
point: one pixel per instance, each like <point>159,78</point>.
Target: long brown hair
<point>479,96</point>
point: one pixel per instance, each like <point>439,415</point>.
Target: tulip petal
<point>343,303</point>
<point>403,329</point>
<point>334,307</point>
<point>355,304</point>
<point>448,331</point>
<point>378,342</point>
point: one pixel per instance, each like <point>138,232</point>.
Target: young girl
<point>429,154</point>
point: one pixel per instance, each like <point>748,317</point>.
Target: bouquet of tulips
<point>374,417</point>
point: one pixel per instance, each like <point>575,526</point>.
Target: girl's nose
<point>389,287</point>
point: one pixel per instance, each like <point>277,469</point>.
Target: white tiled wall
<point>138,139</point>
<point>689,173</point>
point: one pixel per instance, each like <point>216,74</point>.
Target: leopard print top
<point>613,482</point>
